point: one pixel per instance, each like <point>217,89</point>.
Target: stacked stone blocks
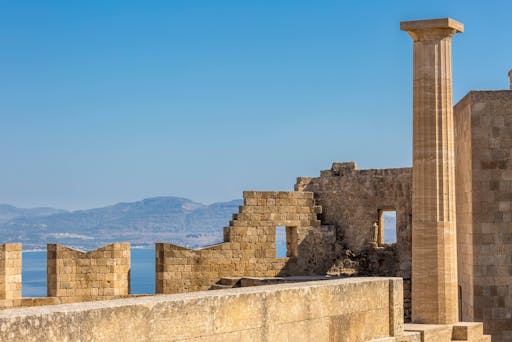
<point>75,276</point>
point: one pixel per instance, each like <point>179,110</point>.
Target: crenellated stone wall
<point>249,247</point>
<point>75,276</point>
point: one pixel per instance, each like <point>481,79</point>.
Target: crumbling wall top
<point>336,166</point>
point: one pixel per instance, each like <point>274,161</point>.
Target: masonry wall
<point>464,204</point>
<point>250,245</point>
<point>336,310</point>
<point>10,271</point>
<point>75,276</point>
<point>351,200</point>
<point>489,113</point>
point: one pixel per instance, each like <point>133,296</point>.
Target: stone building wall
<point>249,247</point>
<point>10,271</point>
<point>75,276</point>
<point>484,193</point>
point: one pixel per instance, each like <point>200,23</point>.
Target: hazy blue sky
<point>107,101</point>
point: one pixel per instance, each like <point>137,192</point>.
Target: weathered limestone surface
<point>434,250</point>
<point>352,310</point>
<point>10,271</point>
<point>250,245</point>
<point>75,276</point>
<point>483,121</point>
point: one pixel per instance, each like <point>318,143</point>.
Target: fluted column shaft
<point>434,243</point>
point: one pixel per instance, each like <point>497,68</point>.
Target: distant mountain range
<point>159,219</point>
<point>9,212</point>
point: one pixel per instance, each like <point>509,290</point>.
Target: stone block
<point>465,331</point>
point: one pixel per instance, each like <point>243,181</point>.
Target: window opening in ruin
<point>33,274</point>
<point>387,226</point>
<point>286,242</point>
<point>142,271</point>
<point>281,242</point>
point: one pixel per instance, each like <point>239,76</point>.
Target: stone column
<point>434,252</point>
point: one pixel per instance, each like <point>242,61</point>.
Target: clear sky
<point>108,101</point>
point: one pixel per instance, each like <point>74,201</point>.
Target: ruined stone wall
<point>10,271</point>
<point>360,309</point>
<point>75,276</point>
<point>352,200</point>
<point>490,168</point>
<point>250,245</point>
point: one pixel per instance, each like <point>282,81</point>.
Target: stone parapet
<point>359,309</point>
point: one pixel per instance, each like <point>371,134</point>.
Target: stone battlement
<point>100,274</point>
<point>72,275</point>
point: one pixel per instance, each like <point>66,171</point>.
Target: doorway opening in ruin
<point>387,226</point>
<point>286,242</point>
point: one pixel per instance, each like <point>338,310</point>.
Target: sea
<point>142,271</point>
